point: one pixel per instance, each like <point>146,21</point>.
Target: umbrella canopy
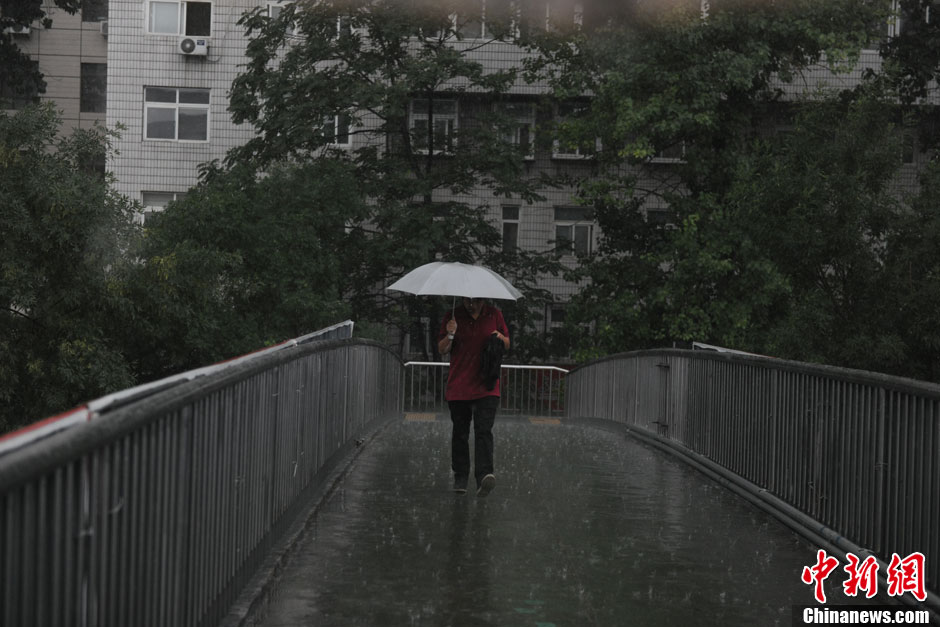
<point>456,279</point>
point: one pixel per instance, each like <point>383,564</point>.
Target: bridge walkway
<point>585,527</point>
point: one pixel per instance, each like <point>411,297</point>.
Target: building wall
<point>60,52</point>
<point>139,59</point>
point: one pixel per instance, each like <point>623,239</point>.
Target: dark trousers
<point>482,413</point>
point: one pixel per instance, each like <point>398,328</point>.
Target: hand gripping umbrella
<point>456,279</point>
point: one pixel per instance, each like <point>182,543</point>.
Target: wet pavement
<point>585,527</point>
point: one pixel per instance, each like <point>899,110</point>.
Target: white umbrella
<point>456,279</point>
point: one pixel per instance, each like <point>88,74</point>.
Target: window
<point>573,148</point>
<point>471,23</point>
<point>443,117</point>
<point>154,202</point>
<point>520,130</point>
<point>510,228</point>
<point>336,131</point>
<point>159,200</point>
<point>176,114</point>
<point>180,18</point>
<point>671,154</point>
<point>556,316</point>
<point>574,230</point>
<point>94,10</point>
<point>274,11</point>
<point>563,15</point>
<point>94,88</point>
<point>13,96</point>
<point>908,146</point>
<point>906,18</point>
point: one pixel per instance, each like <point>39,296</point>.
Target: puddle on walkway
<point>584,527</point>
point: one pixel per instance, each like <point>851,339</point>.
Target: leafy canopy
<point>65,235</point>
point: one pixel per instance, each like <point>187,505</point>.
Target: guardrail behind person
<point>526,390</point>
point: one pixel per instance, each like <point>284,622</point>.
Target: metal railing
<point>858,452</point>
<point>159,512</point>
<point>524,390</point>
<point>101,406</point>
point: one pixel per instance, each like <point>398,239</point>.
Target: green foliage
<point>912,57</point>
<point>17,72</point>
<point>912,281</point>
<point>788,244</point>
<point>242,262</point>
<point>64,237</point>
<point>819,206</point>
<point>422,194</point>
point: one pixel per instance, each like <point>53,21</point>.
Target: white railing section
<point>525,390</point>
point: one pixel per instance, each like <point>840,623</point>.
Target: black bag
<point>492,361</point>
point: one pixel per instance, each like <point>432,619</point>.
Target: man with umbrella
<point>464,334</point>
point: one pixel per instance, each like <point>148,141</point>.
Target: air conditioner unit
<point>103,25</point>
<point>16,30</point>
<point>193,46</point>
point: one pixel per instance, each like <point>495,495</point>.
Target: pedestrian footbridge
<point>310,485</point>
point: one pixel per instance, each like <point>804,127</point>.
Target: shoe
<point>486,485</point>
<point>460,485</point>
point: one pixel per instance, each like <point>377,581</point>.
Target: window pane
<point>19,95</point>
<point>519,110</point>
<point>572,214</point>
<point>419,134</point>
<point>164,17</point>
<point>582,240</point>
<point>342,129</point>
<point>562,235</point>
<point>199,18</point>
<point>343,26</point>
<point>471,27</point>
<point>441,107</point>
<point>94,87</point>
<point>445,107</point>
<point>156,199</point>
<point>510,236</point>
<point>194,124</point>
<point>510,213</point>
<point>194,96</point>
<point>94,10</point>
<point>161,123</point>
<point>159,94</point>
<point>441,134</point>
<point>524,141</point>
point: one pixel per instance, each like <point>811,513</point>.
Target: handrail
<point>508,366</point>
<point>95,408</point>
<point>846,374</point>
<point>161,513</point>
<point>839,445</point>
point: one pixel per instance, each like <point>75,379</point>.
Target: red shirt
<point>464,381</point>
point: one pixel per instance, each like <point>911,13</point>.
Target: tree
<point>242,262</point>
<point>702,91</point>
<point>18,75</point>
<point>401,74</point>
<point>820,206</point>
<point>65,235</point>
